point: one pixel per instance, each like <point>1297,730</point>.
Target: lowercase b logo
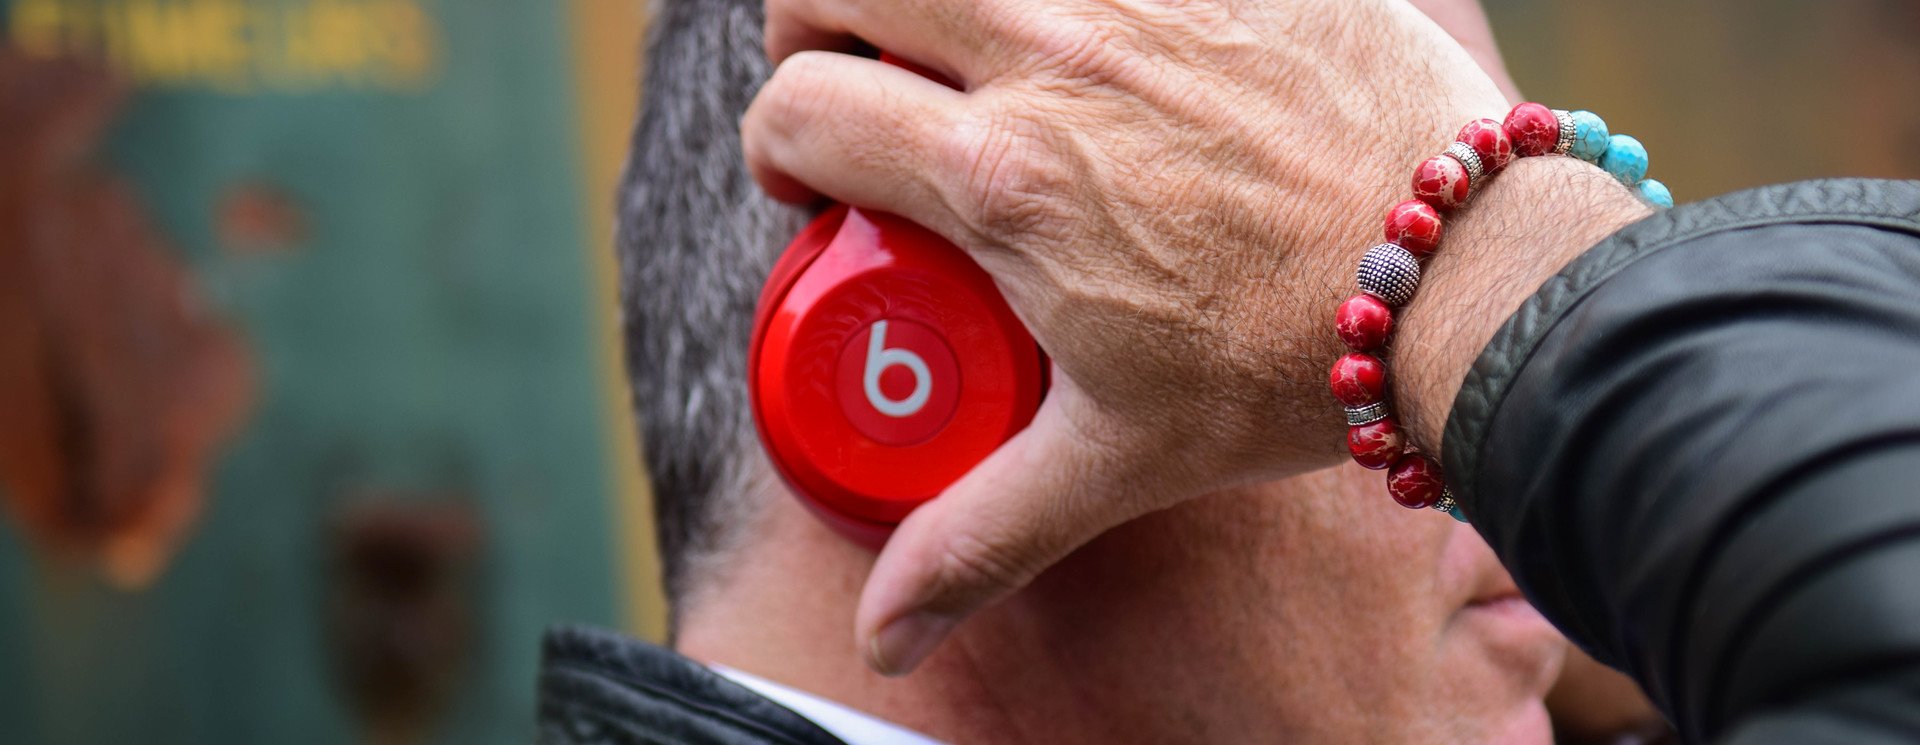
<point>898,382</point>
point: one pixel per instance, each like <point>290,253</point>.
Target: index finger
<point>858,131</point>
<point>945,36</point>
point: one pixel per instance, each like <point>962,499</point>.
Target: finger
<point>942,35</point>
<point>858,131</point>
<point>1043,494</point>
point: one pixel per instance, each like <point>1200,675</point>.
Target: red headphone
<point>884,365</point>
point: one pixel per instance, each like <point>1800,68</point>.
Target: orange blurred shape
<point>116,387</point>
<point>256,218</point>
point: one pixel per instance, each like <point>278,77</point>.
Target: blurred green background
<point>400,211</point>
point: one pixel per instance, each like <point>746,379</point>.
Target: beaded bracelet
<point>1390,272</point>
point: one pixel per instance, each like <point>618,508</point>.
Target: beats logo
<point>879,358</point>
<point>898,388</point>
<point>884,365</point>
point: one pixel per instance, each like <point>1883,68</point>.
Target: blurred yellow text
<point>240,46</point>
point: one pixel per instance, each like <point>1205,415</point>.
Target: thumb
<point>1045,492</point>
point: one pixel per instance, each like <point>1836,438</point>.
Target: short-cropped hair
<point>696,238</point>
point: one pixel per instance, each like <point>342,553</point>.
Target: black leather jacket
<point>1698,450</point>
<point>601,688</point>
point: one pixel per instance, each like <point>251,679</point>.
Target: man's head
<point>696,240</point>
<point>1309,609</point>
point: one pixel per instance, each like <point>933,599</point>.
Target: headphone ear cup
<point>799,254</point>
<point>884,365</point>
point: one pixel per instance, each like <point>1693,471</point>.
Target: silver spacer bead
<point>1373,412</point>
<point>1568,131</point>
<point>1470,158</point>
<point>1446,503</point>
<point>1390,273</point>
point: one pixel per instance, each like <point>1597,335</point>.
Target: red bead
<point>1358,379</point>
<point>1364,322</point>
<point>1415,482</point>
<point>1377,445</point>
<point>1490,140</point>
<point>1415,227</point>
<point>1533,129</point>
<point>1441,182</point>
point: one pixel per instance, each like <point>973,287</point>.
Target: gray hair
<point>695,242</point>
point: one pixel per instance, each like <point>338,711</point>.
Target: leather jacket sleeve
<point>1698,450</point>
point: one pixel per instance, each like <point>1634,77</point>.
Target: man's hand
<point>1172,196</point>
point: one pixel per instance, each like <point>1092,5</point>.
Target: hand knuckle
<point>1014,184</point>
<point>774,105</point>
<point>801,83</point>
<point>1092,52</point>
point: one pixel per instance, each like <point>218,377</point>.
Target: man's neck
<point>783,610</point>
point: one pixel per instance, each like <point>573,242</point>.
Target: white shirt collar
<point>853,727</point>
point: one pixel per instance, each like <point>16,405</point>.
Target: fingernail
<point>901,645</point>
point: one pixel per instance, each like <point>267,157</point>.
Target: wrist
<point>1541,214</point>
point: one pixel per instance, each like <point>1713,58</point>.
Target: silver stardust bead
<point>1470,158</point>
<point>1368,414</point>
<point>1390,273</point>
<point>1446,503</point>
<point>1568,131</point>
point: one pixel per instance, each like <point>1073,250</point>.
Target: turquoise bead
<point>1626,159</point>
<point>1656,194</point>
<point>1589,136</point>
<point>1457,514</point>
